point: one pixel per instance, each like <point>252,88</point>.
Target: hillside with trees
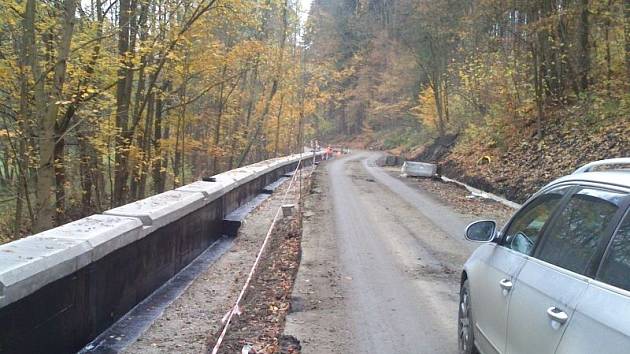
<point>505,94</point>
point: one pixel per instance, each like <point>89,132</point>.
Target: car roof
<point>616,178</point>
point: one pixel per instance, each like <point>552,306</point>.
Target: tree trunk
<point>447,115</point>
<point>217,128</point>
<point>146,147</point>
<point>180,147</point>
<point>157,147</point>
<point>259,124</point>
<point>437,96</point>
<point>177,159</point>
<point>277,137</point>
<point>44,210</point>
<point>626,12</point>
<point>160,162</point>
<point>564,62</point>
<point>21,163</point>
<point>608,56</point>
<point>274,87</point>
<point>60,181</point>
<point>20,193</point>
<point>99,179</point>
<point>584,56</point>
<point>137,164</point>
<point>538,91</point>
<point>46,126</point>
<point>125,76</point>
<point>87,177</point>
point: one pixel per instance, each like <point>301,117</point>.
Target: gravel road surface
<point>383,275</point>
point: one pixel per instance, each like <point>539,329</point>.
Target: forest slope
<point>526,164</point>
<point>530,90</point>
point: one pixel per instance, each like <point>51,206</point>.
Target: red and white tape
<point>236,310</point>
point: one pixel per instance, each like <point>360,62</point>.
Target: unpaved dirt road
<point>383,276</point>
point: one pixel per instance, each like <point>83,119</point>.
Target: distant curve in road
<point>401,253</point>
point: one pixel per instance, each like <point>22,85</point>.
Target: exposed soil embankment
<point>525,164</point>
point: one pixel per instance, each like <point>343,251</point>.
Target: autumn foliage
<point>408,71</point>
<point>104,102</point>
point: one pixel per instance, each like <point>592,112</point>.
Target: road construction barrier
<point>60,288</point>
<point>418,169</point>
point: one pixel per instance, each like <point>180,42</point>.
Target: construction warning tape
<point>236,310</point>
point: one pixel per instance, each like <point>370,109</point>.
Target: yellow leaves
<point>215,151</point>
<point>426,110</point>
<point>173,56</point>
<point>7,134</point>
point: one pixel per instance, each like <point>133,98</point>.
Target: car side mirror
<point>481,231</point>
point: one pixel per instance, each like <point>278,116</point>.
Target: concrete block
<point>211,190</point>
<point>161,209</point>
<point>104,233</point>
<point>28,264</point>
<point>233,221</point>
<point>287,210</point>
<point>226,180</point>
<point>275,185</point>
<point>246,174</point>
<point>274,164</point>
<point>265,166</point>
<point>418,169</point>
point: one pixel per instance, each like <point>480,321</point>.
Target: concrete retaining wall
<point>59,289</point>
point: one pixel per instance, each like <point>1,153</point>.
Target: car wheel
<point>465,335</point>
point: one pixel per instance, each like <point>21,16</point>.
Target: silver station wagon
<point>556,278</point>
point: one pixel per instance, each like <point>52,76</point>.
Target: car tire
<point>465,333</point>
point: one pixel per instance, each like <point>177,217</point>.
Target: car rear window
<point>580,229</point>
<point>615,269</point>
<point>527,225</point>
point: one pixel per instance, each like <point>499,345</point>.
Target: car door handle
<point>557,315</point>
<point>506,284</point>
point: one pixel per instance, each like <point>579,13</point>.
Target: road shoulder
<point>456,197</point>
<point>318,317</point>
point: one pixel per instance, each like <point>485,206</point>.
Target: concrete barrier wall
<point>60,288</point>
